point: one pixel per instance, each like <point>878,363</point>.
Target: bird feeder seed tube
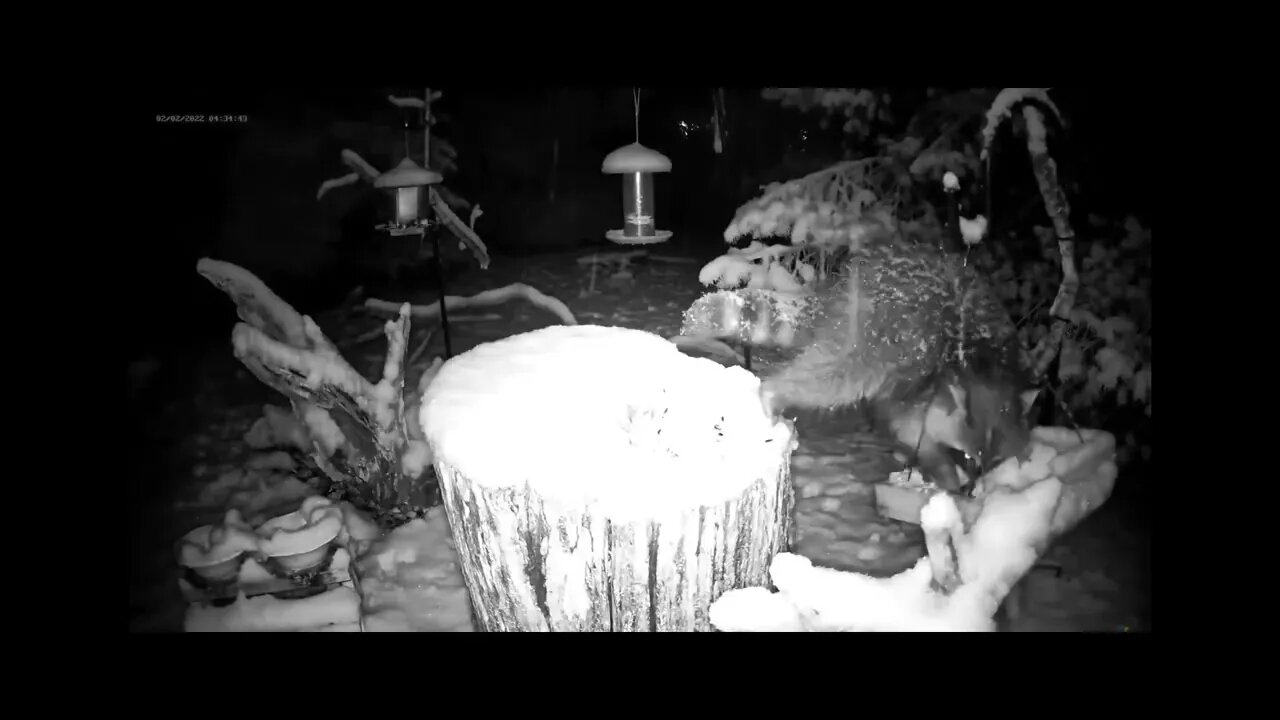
<point>637,164</point>
<point>408,200</point>
<point>637,205</point>
<point>406,181</point>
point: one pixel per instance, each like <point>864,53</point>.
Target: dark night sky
<point>1108,133</point>
<point>1107,153</point>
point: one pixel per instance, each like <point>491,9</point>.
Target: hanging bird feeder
<point>637,164</point>
<point>406,180</point>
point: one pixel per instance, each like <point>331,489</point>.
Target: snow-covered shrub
<point>1103,371</point>
<point>894,183</point>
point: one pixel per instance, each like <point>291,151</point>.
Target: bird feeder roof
<point>635,158</point>
<point>407,174</point>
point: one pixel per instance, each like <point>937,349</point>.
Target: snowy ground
<point>198,415</point>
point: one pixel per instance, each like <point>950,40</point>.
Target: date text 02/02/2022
<point>202,118</point>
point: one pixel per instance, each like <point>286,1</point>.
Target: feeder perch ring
<point>399,230</point>
<point>620,237</point>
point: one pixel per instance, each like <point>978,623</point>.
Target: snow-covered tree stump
<point>356,429</point>
<point>597,479</point>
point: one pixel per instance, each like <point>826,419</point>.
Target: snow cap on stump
<point>598,479</point>
<point>602,414</point>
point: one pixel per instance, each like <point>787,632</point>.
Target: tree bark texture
<point>289,353</point>
<point>534,563</point>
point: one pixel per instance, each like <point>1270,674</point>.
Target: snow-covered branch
<point>413,102</point>
<point>407,102</point>
<point>352,159</point>
<point>356,427</point>
<point>363,170</point>
<point>461,229</point>
<point>1059,210</point>
<point>488,298</point>
<point>1001,109</point>
<point>345,180</point>
<point>256,304</point>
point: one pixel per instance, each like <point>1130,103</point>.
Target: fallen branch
<point>356,427</point>
<point>488,298</point>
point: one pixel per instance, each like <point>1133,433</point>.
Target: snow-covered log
<point>597,479</point>
<point>488,298</point>
<point>979,549</point>
<point>356,428</point>
<point>1018,510</point>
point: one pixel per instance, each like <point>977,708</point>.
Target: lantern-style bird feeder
<point>637,164</point>
<point>407,180</point>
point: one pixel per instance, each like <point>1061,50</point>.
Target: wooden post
<point>609,532</point>
<point>444,313</point>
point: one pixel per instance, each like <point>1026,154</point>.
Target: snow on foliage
<point>1105,363</point>
<point>758,266</point>
<point>973,230</point>
<point>823,208</point>
<point>1105,357</point>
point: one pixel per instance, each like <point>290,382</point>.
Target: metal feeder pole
<point>435,236</point>
<point>953,218</point>
<point>444,315</point>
